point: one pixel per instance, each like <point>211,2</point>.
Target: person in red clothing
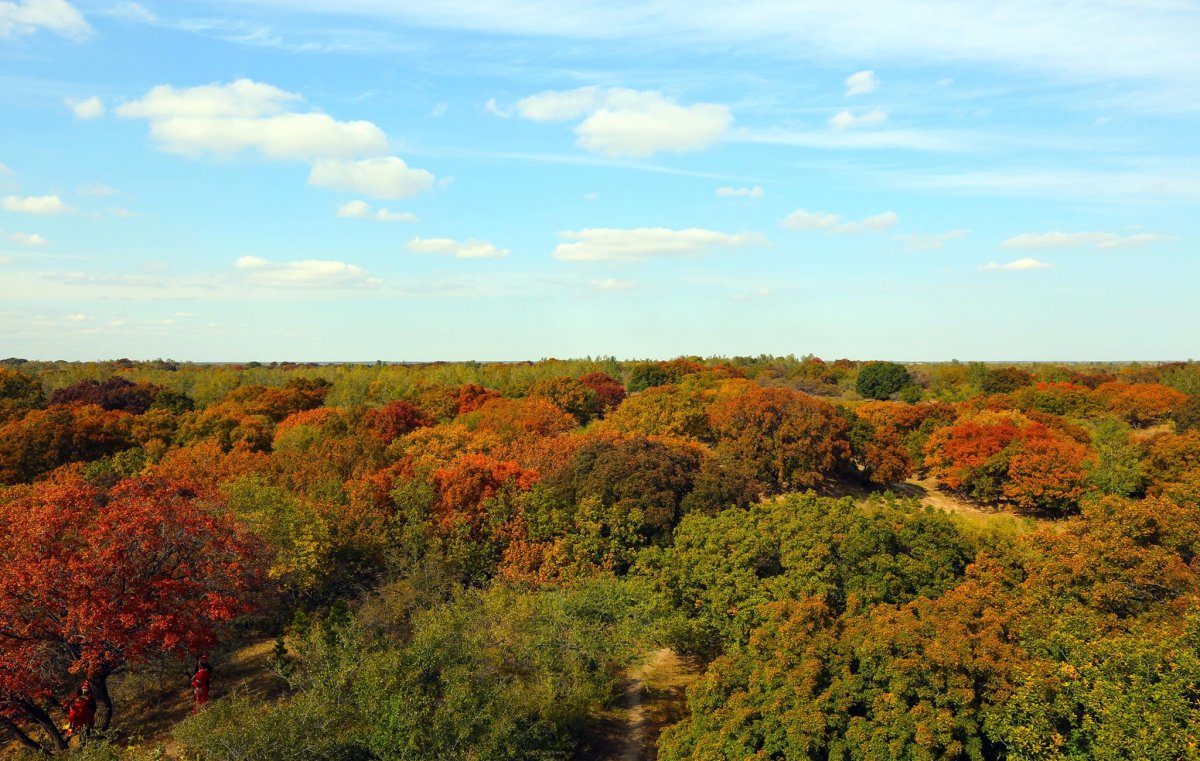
<point>81,713</point>
<point>200,683</point>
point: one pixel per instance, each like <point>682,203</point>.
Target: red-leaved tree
<point>94,582</point>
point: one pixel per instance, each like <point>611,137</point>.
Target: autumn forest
<point>847,560</point>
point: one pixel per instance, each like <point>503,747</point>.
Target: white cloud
<point>90,108</point>
<point>362,210</point>
<point>382,177</point>
<point>5,260</point>
<point>28,16</point>
<point>1019,264</point>
<point>1148,45</point>
<point>1028,241</point>
<point>754,192</point>
<point>241,98</point>
<point>467,249</point>
<point>96,190</point>
<point>861,83</point>
<point>117,211</point>
<point>929,242</point>
<point>35,204</point>
<point>354,210</point>
<point>622,122</point>
<point>309,273</point>
<point>493,108</point>
<point>612,284</point>
<point>29,239</point>
<point>387,215</point>
<point>600,244</point>
<point>4,170</point>
<point>559,105</point>
<point>439,109</point>
<point>591,196</point>
<point>803,219</point>
<point>224,119</point>
<point>130,11</point>
<point>283,137</point>
<point>848,120</point>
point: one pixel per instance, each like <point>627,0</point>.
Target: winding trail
<point>652,698</point>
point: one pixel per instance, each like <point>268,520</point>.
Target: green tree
<point>880,380</point>
<point>1117,469</point>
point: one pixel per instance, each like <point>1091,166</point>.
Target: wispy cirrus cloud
<point>1102,240</point>
<point>637,244</point>
<point>1136,43</point>
<point>730,192</point>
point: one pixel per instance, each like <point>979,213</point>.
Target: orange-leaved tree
<point>1003,455</point>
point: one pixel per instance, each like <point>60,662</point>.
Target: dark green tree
<point>879,380</point>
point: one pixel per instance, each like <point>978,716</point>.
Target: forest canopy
<point>854,560</point>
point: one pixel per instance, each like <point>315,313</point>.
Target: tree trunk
<point>99,683</point>
<point>21,737</point>
<point>45,722</point>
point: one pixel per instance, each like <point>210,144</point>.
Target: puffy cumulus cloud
<point>754,192</point>
<point>557,105</point>
<point>35,204</point>
<point>354,210</point>
<point>381,177</point>
<point>89,108</point>
<point>861,83</point>
<point>803,219</point>
<point>387,215</point>
<point>612,284</point>
<point>28,16</point>
<point>285,137</point>
<point>29,239</point>
<point>224,119</point>
<point>466,249</point>
<point>1027,241</point>
<point>241,98</point>
<point>605,244</point>
<point>849,120</point>
<point>622,122</point>
<point>1019,264</point>
<point>929,241</point>
<point>362,210</point>
<point>308,273</point>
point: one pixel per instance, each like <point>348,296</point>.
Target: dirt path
<point>652,699</point>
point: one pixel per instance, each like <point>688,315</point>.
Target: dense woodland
<point>460,561</point>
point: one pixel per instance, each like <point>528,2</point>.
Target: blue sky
<point>516,179</point>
